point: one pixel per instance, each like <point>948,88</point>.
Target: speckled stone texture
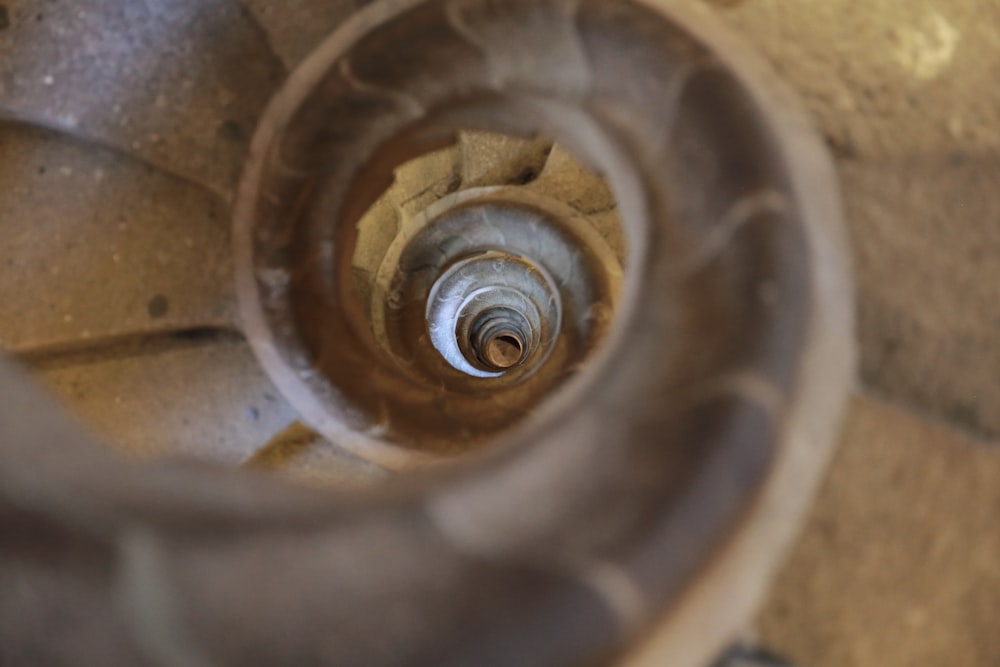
<point>177,84</point>
<point>897,566</point>
<point>96,244</point>
<point>906,95</point>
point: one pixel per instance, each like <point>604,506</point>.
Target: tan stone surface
<point>899,564</point>
<point>97,246</point>
<point>202,397</point>
<point>904,94</point>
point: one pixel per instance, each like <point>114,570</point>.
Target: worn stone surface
<point>905,95</point>
<point>491,159</point>
<point>926,235</point>
<point>897,566</point>
<point>295,27</point>
<point>94,245</point>
<point>178,84</point>
<point>887,78</point>
<point>200,397</point>
<point>299,454</point>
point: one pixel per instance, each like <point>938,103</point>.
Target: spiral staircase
<point>539,311</point>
